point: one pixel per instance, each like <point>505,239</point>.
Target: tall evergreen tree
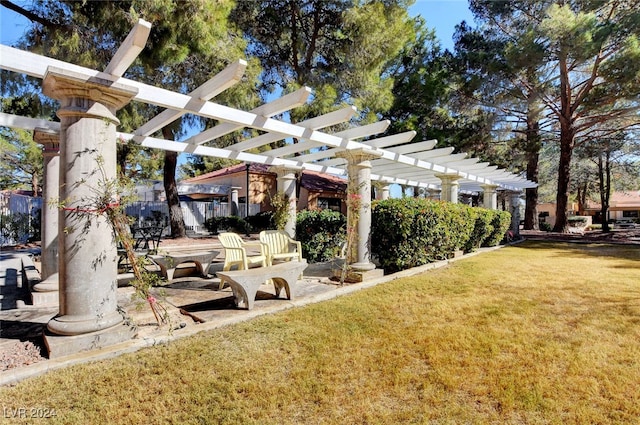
<point>340,48</point>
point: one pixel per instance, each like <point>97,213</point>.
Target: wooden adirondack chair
<point>235,253</point>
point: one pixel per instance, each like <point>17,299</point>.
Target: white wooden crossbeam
<point>275,107</point>
<point>129,49</point>
<point>332,118</point>
<point>414,147</point>
<point>231,75</point>
<point>351,133</point>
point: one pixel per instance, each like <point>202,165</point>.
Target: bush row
<point>405,232</point>
<point>410,232</point>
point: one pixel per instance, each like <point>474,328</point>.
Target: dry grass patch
<point>533,333</point>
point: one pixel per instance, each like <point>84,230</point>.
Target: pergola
<point>89,99</point>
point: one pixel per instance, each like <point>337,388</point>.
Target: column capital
<point>49,139</point>
<point>489,187</point>
<point>283,170</point>
<point>104,96</point>
<point>450,178</point>
<point>358,156</point>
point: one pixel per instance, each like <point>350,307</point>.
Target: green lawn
<point>535,333</point>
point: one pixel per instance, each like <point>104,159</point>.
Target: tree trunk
<point>564,178</point>
<point>35,185</point>
<point>176,220</point>
<point>604,174</point>
<point>533,154</point>
<point>567,140</point>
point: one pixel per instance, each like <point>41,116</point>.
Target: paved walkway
<point>194,305</point>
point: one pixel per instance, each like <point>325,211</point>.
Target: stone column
<point>359,186</point>
<point>87,250</point>
<point>286,183</point>
<point>45,293</point>
<point>514,206</point>
<point>490,196</point>
<point>385,192</point>
<point>449,187</point>
<point>233,202</point>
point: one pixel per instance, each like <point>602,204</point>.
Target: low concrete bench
<point>170,260</point>
<point>245,283</point>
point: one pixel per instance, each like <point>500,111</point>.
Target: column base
<point>45,293</point>
<point>62,346</point>
<point>67,325</point>
<point>357,276</point>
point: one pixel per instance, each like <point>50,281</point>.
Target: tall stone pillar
<point>385,192</point>
<point>359,187</point>
<point>490,196</point>
<point>233,202</point>
<point>286,183</point>
<point>449,187</point>
<point>514,206</point>
<point>45,293</point>
<point>86,245</point>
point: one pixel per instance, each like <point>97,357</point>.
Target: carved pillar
<point>514,206</point>
<point>87,250</point>
<point>46,292</point>
<point>490,196</point>
<point>233,202</point>
<point>449,187</point>
<point>385,192</point>
<point>359,187</point>
<point>287,184</point>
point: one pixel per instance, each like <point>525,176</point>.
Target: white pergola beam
<point>394,139</point>
<point>275,107</point>
<point>129,49</point>
<point>332,118</point>
<point>231,75</point>
<point>351,133</point>
<point>364,130</point>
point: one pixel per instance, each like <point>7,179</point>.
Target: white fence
<point>19,218</point>
<point>194,213</point>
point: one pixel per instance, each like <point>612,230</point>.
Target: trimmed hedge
<point>410,232</point>
<point>321,234</point>
<point>500,221</point>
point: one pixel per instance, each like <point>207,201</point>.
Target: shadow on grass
<point>588,250</point>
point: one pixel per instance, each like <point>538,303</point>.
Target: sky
<point>442,15</point>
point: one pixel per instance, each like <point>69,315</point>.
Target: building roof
<point>311,180</point>
<point>619,200</point>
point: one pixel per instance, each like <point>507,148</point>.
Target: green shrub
<point>231,224</point>
<point>481,230</point>
<point>545,227</point>
<point>261,221</point>
<point>321,234</point>
<point>410,232</point>
<point>501,221</point>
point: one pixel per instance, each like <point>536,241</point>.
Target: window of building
<point>333,204</point>
<point>630,214</point>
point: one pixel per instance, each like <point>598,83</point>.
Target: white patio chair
<point>235,253</point>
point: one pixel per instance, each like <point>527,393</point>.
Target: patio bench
<point>245,283</point>
<point>168,261</point>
